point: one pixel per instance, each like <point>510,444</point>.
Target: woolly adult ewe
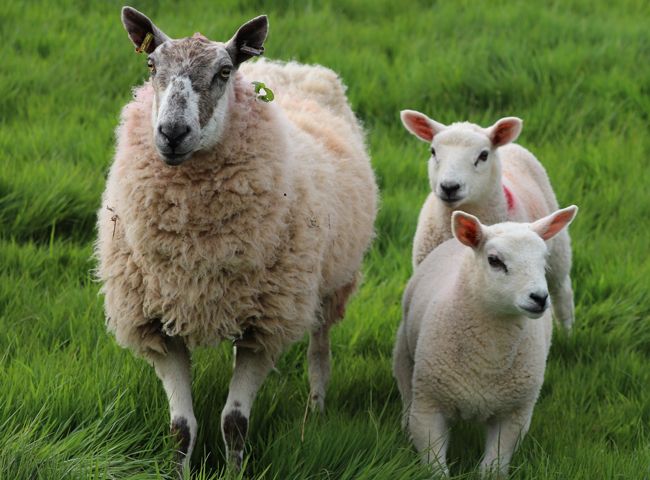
<point>475,335</point>
<point>479,171</point>
<point>225,217</point>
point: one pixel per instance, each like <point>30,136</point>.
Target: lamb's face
<point>512,263</point>
<point>192,82</point>
<point>463,166</point>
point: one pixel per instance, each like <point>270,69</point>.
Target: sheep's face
<point>464,167</point>
<point>192,80</point>
<point>511,260</point>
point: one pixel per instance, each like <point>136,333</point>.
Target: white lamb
<point>479,171</point>
<point>225,217</point>
<point>475,335</point>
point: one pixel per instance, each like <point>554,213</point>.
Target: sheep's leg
<point>403,372</point>
<point>503,437</point>
<point>318,358</point>
<point>430,434</point>
<point>251,368</point>
<point>562,300</point>
<point>174,371</point>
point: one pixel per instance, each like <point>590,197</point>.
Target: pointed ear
<point>137,25</point>
<point>551,225</point>
<point>505,131</point>
<point>467,229</point>
<point>248,42</point>
<point>420,125</point>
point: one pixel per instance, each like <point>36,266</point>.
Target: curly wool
<point>246,239</point>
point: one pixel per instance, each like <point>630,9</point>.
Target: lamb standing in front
<point>225,217</point>
<point>475,336</point>
<point>480,171</point>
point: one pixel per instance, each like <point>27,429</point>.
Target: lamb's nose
<point>539,298</point>
<point>174,133</point>
<point>450,188</point>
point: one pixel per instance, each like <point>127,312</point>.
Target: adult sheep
<point>480,171</point>
<point>225,217</point>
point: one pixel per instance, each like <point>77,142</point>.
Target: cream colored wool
<point>247,239</point>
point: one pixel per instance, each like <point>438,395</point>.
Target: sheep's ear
<point>420,125</point>
<point>138,25</point>
<point>249,40</point>
<point>467,229</point>
<point>551,225</point>
<point>505,131</point>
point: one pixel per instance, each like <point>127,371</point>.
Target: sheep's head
<point>511,260</point>
<point>192,82</point>
<point>464,164</point>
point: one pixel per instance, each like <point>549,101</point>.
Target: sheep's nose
<point>450,188</point>
<point>174,133</point>
<point>539,298</point>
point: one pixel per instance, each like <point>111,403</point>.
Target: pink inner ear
<point>558,222</point>
<point>419,126</point>
<point>503,132</point>
<point>468,232</point>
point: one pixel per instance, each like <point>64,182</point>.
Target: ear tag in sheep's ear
<point>145,43</point>
<point>255,52</point>
<point>264,93</point>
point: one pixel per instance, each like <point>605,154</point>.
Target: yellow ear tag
<point>145,43</point>
<point>264,93</point>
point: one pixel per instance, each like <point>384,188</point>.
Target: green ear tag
<point>264,93</point>
<point>145,43</point>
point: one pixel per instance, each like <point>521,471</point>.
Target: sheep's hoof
<point>235,427</point>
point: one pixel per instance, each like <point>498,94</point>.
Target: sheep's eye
<point>497,263</point>
<point>433,151</point>
<point>225,73</point>
<point>152,67</point>
<point>483,156</point>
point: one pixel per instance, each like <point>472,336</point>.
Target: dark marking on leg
<point>237,404</point>
<point>235,427</point>
<point>181,433</point>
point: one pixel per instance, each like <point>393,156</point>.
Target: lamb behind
<point>225,217</point>
<point>480,171</point>
<point>475,335</point>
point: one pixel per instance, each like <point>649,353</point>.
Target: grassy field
<point>75,405</point>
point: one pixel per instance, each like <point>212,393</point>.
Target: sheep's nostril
<point>174,133</point>
<point>539,299</point>
<point>450,188</point>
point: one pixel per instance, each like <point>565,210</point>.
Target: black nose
<point>174,133</point>
<point>450,189</point>
<point>539,299</point>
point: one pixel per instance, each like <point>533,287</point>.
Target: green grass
<point>74,405</point>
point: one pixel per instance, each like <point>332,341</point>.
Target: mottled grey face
<point>192,82</point>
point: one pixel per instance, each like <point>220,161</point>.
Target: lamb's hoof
<point>235,427</point>
<point>180,430</point>
<point>317,403</point>
<point>235,460</point>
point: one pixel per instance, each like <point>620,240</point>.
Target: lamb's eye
<point>225,73</point>
<point>497,263</point>
<point>152,67</point>
<point>483,156</point>
<point>433,151</point>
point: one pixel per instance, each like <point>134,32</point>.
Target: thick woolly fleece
<point>245,241</point>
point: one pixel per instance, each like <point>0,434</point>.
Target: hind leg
<point>562,299</point>
<point>559,280</point>
<point>403,372</point>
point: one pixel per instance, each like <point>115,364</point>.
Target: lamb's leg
<point>503,437</point>
<point>562,299</point>
<point>251,368</point>
<point>318,359</point>
<point>403,372</point>
<point>430,434</point>
<point>173,369</point>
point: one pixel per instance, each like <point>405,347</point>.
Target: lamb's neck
<point>492,209</point>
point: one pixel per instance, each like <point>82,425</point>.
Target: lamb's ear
<point>248,42</point>
<point>505,131</point>
<point>138,25</point>
<point>467,229</point>
<point>420,125</point>
<point>551,225</point>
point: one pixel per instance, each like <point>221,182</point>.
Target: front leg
<point>173,369</point>
<point>430,434</point>
<point>503,437</point>
<point>251,368</point>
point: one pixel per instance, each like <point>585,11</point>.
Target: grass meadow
<point>75,405</point>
